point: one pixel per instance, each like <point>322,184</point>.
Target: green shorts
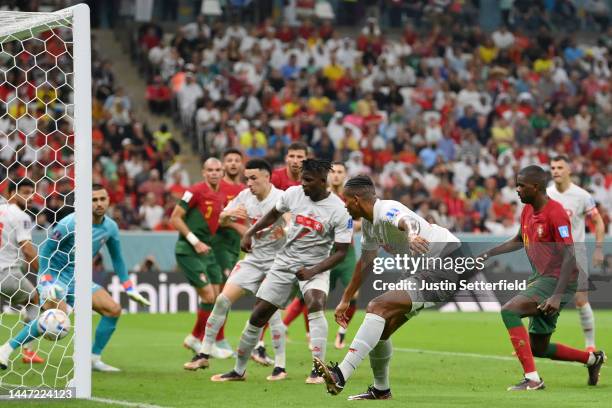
<point>344,270</point>
<point>200,270</point>
<point>226,247</point>
<point>539,289</point>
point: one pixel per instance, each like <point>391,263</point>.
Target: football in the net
<point>54,324</point>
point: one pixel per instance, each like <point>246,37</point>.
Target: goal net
<point>45,137</point>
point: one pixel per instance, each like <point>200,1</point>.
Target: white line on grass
<point>102,400</point>
<point>468,355</point>
<point>124,403</point>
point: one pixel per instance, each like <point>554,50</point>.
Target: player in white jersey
<point>399,231</point>
<point>579,204</point>
<point>250,205</point>
<point>319,222</point>
<point>16,240</point>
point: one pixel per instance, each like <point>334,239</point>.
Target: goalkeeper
<point>56,280</point>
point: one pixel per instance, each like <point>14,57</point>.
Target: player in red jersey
<point>289,175</point>
<point>545,234</point>
<point>196,217</point>
<point>226,243</point>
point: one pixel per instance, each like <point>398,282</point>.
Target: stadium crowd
<point>141,168</point>
<point>442,116</point>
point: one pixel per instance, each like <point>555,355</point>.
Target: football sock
<point>520,341</point>
<point>216,320</point>
<point>318,333</point>
<point>380,356</point>
<point>365,340</point>
<point>306,318</point>
<point>204,310</point>
<point>221,333</point>
<point>278,330</point>
<point>293,310</point>
<point>587,321</point>
<point>249,338</point>
<point>105,329</point>
<point>263,333</point>
<point>557,351</point>
<point>350,312</point>
<point>28,333</point>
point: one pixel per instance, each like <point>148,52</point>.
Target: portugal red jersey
<point>544,233</point>
<point>280,179</point>
<point>230,190</point>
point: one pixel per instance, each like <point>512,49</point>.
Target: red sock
<point>200,325</point>
<point>350,312</point>
<point>292,311</point>
<point>305,313</point>
<point>221,334</point>
<point>520,341</point>
<point>567,353</point>
<point>263,332</point>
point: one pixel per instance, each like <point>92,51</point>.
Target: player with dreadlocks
<point>319,222</point>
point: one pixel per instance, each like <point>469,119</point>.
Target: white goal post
<point>21,26</point>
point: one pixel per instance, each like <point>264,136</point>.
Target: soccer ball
<point>54,324</point>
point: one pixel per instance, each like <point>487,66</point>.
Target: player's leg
<point>587,319</point>
<point>512,312</point>
<point>275,291</point>
<point>226,246</point>
<point>110,311</point>
<point>384,315</point>
<point>262,312</point>
<point>194,269</point>
<point>19,291</point>
<point>31,331</point>
<point>279,338</point>
<point>540,330</point>
<point>315,300</point>
<point>344,273</point>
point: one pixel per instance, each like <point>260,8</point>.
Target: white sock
<point>318,332</point>
<point>260,343</point>
<point>533,376</point>
<point>247,343</point>
<point>366,338</point>
<point>380,357</point>
<point>587,321</point>
<point>215,322</point>
<point>592,359</point>
<point>279,336</point>
<point>341,330</point>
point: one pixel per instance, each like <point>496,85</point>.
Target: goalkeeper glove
<point>48,289</point>
<point>134,295</point>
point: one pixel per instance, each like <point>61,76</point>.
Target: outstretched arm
<point>362,269</point>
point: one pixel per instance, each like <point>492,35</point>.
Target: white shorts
<point>14,286</point>
<point>279,286</point>
<point>247,275</point>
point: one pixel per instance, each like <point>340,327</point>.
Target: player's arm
<point>114,249</point>
<point>233,212</point>
<point>264,222</point>
<point>29,253</point>
<point>338,254</point>
<point>514,244</point>
<point>178,222</point>
<point>362,269</point>
<point>600,230</point>
<point>417,243</point>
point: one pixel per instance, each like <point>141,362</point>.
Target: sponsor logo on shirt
<point>392,213</point>
<point>564,231</point>
<point>350,223</point>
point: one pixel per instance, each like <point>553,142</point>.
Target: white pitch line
<point>469,355</point>
<point>102,400</point>
<point>124,403</point>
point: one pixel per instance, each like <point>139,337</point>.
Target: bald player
<point>546,235</point>
<point>196,218</point>
<point>578,205</point>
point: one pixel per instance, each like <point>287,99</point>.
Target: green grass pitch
<point>440,360</point>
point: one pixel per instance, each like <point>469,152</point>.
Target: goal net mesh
<point>36,143</point>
